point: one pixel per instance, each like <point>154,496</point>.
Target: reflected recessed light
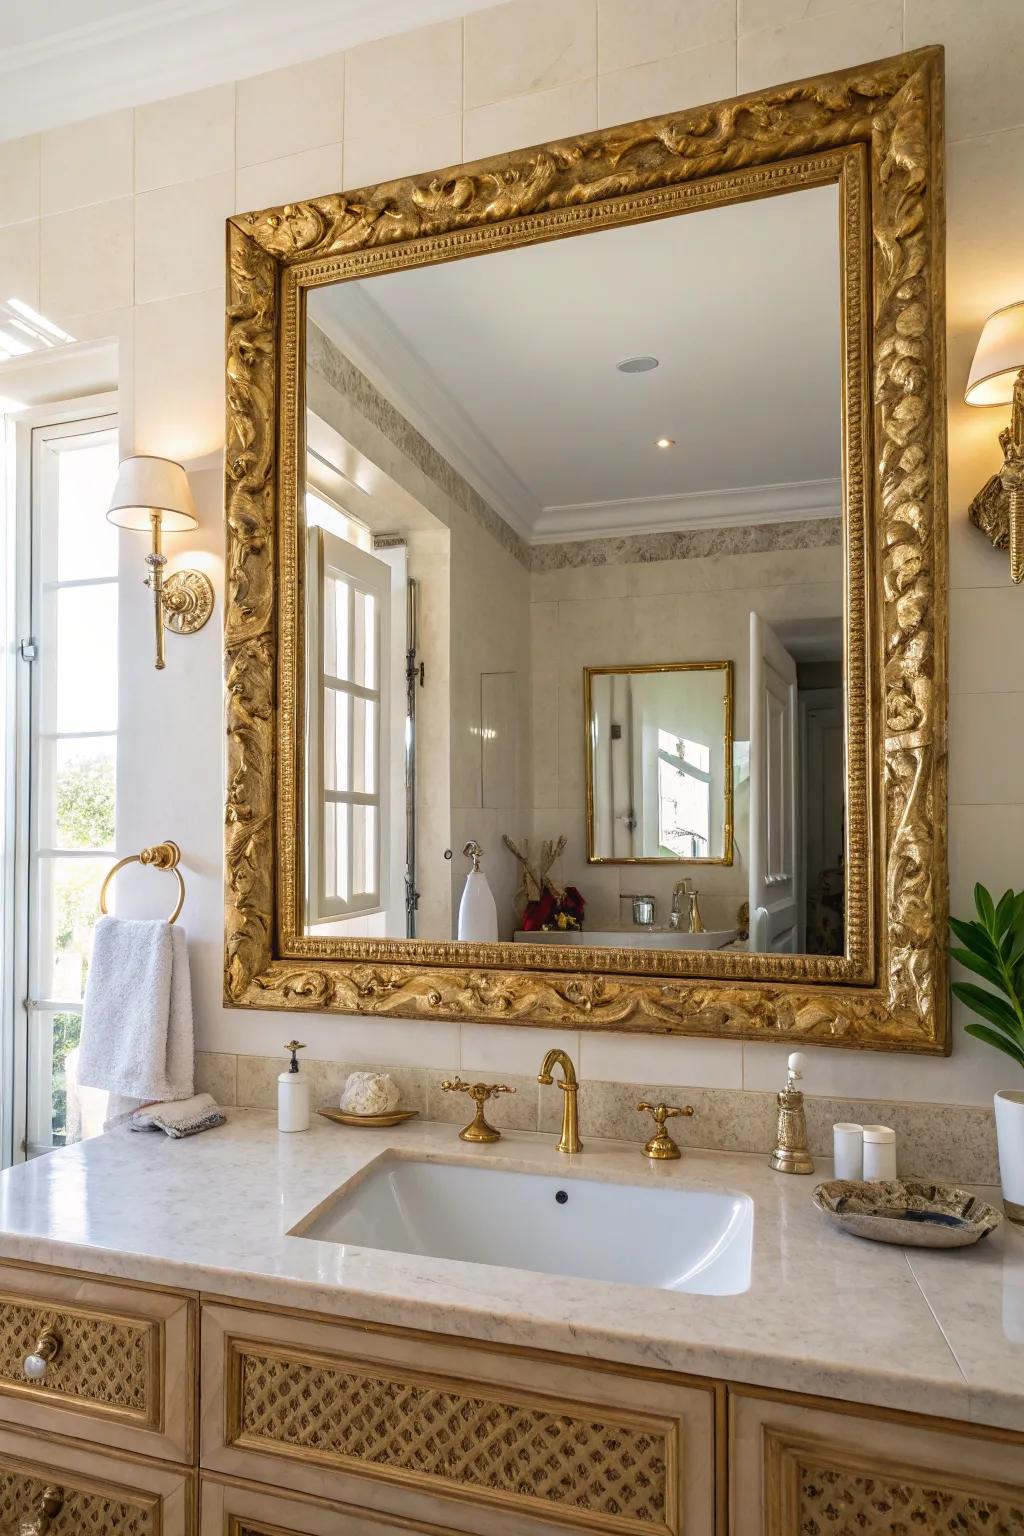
<point>664,442</point>
<point>637,364</point>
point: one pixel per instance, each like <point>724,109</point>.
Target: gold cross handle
<point>661,1146</point>
<point>479,1129</point>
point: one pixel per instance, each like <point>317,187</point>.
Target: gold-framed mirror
<point>429,437</point>
<point>659,763</point>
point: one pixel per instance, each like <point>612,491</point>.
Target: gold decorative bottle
<point>791,1154</point>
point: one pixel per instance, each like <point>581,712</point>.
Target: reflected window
<point>684,797</point>
<point>347,728</point>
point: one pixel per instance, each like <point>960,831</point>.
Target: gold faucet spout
<point>570,1138</point>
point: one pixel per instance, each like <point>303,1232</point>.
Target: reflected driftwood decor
<point>876,131</point>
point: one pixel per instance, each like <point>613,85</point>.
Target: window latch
<point>28,650</point>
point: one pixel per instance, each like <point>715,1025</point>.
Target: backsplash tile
<point>951,1142</point>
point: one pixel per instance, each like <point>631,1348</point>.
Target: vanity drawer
<point>73,1490</point>
<point>119,1361</point>
<point>437,1429</point>
<point>243,1509</point>
<point>795,1469</point>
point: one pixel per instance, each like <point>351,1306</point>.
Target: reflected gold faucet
<point>570,1141</point>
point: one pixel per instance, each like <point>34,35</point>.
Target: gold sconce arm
<point>1012,478</point>
<point>479,1128</point>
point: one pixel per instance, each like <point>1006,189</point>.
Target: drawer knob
<point>50,1505</point>
<point>48,1347</point>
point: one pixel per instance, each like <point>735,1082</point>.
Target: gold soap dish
<point>380,1122</point>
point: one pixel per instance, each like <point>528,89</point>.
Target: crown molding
<point>796,501</point>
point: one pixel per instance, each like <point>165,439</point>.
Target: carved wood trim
<point>897,671</point>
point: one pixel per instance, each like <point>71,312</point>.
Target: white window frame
<point>24,1052</point>
<point>327,553</point>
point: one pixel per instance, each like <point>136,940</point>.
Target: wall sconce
<point>152,495</point>
<point>997,378</point>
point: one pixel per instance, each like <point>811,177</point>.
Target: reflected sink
<point>632,938</point>
<point>672,1239</point>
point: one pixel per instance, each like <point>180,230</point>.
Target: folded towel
<point>137,1038</point>
<point>180,1117</point>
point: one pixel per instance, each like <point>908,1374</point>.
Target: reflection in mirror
<point>659,762</point>
<point>596,455</point>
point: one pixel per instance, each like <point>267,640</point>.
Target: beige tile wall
<point>115,228</point>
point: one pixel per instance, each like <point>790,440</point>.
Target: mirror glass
<point>533,476</point>
<point>659,762</point>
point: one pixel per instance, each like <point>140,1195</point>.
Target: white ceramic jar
<point>1010,1136</point>
<point>879,1152</point>
<point>848,1150</point>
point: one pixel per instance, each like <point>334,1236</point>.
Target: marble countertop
<point>929,1331</point>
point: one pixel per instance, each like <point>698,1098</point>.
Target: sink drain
<point>562,1196</point>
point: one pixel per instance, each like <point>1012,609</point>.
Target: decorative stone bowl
<point>369,1093</point>
<point>905,1211</point>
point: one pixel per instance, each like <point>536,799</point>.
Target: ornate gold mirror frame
<point>876,132</point>
<point>640,670</point>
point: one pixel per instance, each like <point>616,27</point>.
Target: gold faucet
<point>570,1141</point>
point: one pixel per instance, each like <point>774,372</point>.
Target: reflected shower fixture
<point>997,378</point>
<point>152,495</point>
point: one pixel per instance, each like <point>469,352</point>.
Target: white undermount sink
<point>671,1239</point>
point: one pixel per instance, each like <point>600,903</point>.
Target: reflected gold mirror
<point>585,636</point>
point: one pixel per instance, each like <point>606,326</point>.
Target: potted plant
<point>993,948</point>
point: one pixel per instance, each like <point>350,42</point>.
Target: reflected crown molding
<point>799,501</point>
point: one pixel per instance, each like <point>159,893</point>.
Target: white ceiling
<point>63,60</point>
<point>508,364</point>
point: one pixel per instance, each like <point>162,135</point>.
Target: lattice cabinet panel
<point>119,1361</point>
<point>410,1425</point>
<point>803,1471</point>
<point>61,1489</point>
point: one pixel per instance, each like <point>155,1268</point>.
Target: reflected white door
<point>776,919</point>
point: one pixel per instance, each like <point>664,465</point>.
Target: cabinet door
<point>796,1469</point>
<point>446,1431</point>
<point>57,1488</point>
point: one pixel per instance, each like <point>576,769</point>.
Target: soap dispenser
<point>791,1154</point>
<point>293,1094</point>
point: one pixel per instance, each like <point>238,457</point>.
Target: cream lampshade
<point>147,485</point>
<point>998,359</point>
<point>152,495</point>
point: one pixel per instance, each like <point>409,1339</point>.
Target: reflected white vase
<point>478,914</point>
<point>1009,1104</point>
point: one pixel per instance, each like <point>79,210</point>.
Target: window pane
<point>86,625</point>
<point>337,597</point>
<point>77,782</point>
<point>69,892</point>
<point>364,669</point>
<point>364,746</point>
<point>86,542</point>
<point>364,850</point>
<point>336,883</point>
<point>337,724</point>
<point>65,1031</point>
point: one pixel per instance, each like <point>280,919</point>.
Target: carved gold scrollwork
<point>890,113</point>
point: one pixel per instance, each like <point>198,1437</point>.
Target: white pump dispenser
<point>293,1094</point>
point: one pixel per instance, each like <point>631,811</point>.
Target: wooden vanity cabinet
<point>796,1468</point>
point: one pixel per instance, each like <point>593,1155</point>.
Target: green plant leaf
<point>1005,911</point>
<point>980,967</point>
<point>980,1032</point>
<point>973,935</point>
<point>990,1007</point>
<point>986,909</point>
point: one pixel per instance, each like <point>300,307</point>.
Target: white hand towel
<point>137,1036</point>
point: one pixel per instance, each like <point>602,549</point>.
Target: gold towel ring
<point>161,856</point>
